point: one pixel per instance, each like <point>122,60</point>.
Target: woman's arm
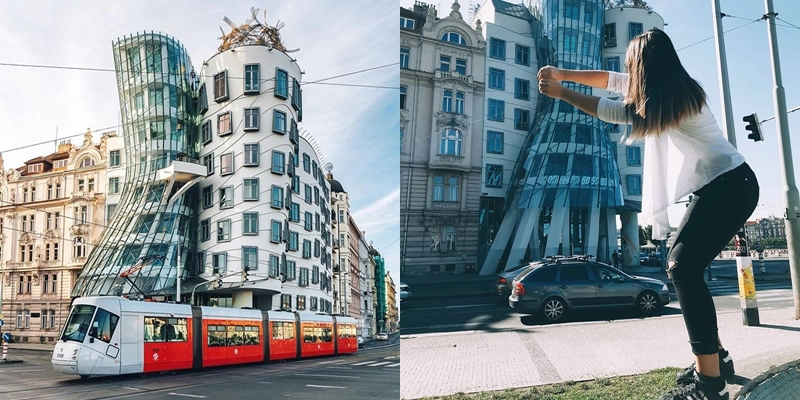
<point>598,79</point>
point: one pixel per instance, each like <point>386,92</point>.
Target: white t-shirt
<point>677,162</point>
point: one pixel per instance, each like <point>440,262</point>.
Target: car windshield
<point>78,323</point>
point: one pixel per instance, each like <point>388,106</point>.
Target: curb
<point>755,382</point>
<point>757,277</point>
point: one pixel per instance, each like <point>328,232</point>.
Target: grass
<point>645,387</point>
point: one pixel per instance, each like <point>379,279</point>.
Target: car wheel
<point>553,309</point>
<point>648,303</point>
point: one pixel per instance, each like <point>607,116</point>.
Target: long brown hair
<point>660,93</point>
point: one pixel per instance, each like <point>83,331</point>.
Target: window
<point>309,193</point>
<point>572,9</point>
<point>276,232</point>
<point>522,88</point>
<point>459,102</point>
<point>297,98</point>
<point>403,97</point>
<point>113,185</point>
<point>226,164</point>
<point>306,163</point>
<point>103,325</point>
<point>313,304</point>
<point>461,66</point>
<point>252,79</point>
<point>634,156</point>
<point>583,134</point>
<point>494,175</point>
<point>582,165</point>
<point>610,35</point>
<point>225,197</point>
<point>634,185</point>
<point>278,161</point>
<point>453,37</point>
<point>634,29</point>
<point>574,273</point>
<point>523,54</point>
<point>521,119</point>
<point>250,257</point>
<point>306,248</point>
<point>48,319</point>
<point>296,184</point>
<point>497,48</point>
<point>26,252</point>
<point>87,162</point>
<point>562,132</point>
<point>281,83</point>
<point>251,153</point>
<point>445,188</point>
<point>447,101</point>
<point>452,189</point>
<point>156,97</point>
<point>294,241</point>
<point>404,55</point>
<point>274,262</point>
<point>294,212</point>
<point>251,118</point>
<point>341,215</point>
<point>316,195</point>
<point>205,132</point>
<point>113,158</point>
<point>81,215</point>
<point>250,189</point>
<point>444,63</point>
<point>496,110</point>
<point>224,124</point>
<point>497,79</point>
<point>219,261</point>
<point>450,238</point>
<point>279,122</point>
<point>221,86</point>
<point>208,161</point>
<point>303,280</point>
<point>406,23</point>
<point>51,251</point>
<point>556,164</point>
<point>277,197</point>
<point>450,143</point>
<point>571,41</point>
<point>309,221</point>
<point>59,164</point>
<point>78,247</point>
<point>494,142</point>
<point>205,230</point>
<point>612,64</point>
<point>286,302</point>
<point>224,230</point>
<point>250,223</point>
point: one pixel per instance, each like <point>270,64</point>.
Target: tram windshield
<point>78,323</point>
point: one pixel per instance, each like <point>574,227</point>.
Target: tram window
<point>309,335</point>
<point>251,335</point>
<point>104,325</point>
<point>78,323</point>
<point>158,329</point>
<point>235,335</point>
<point>327,334</point>
<point>216,335</point>
<point>288,330</point>
<point>282,330</point>
<point>346,331</point>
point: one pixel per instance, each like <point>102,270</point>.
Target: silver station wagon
<point>560,285</point>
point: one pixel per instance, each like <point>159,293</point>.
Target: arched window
<point>87,162</point>
<point>451,143</point>
<point>447,101</point>
<point>453,37</point>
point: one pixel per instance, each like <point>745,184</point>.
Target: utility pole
<point>722,66</point>
<point>790,194</point>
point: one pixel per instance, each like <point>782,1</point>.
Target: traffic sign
<point>6,337</point>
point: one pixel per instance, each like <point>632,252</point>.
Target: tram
<point>109,335</point>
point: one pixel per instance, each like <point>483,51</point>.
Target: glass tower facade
<point>155,221</point>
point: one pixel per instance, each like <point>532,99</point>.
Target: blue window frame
<point>453,37</point>
<point>634,29</point>
<point>634,184</point>
<point>522,89</point>
<point>497,48</point>
<point>279,121</point>
<point>494,142</point>
<point>497,79</point>
<point>281,83</point>
<point>496,110</point>
<point>634,156</point>
<point>278,162</point>
<point>276,235</point>
<point>494,175</point>
<point>523,54</point>
<point>612,64</point>
<point>404,55</point>
<point>277,197</point>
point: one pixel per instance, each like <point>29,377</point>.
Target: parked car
<point>505,278</point>
<point>383,336</point>
<point>405,294</point>
<point>555,287</point>
<point>360,342</point>
<point>644,258</point>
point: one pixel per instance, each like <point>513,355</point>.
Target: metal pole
<point>178,276</point>
<point>722,66</point>
<point>791,198</point>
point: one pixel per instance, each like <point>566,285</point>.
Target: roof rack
<point>578,257</point>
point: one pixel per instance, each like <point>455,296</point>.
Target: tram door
<point>104,341</point>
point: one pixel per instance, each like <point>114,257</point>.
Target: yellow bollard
<point>747,283</point>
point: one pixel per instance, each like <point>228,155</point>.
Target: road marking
<point>338,367</point>
<point>393,365</point>
<point>362,363</point>
<point>131,388</point>
<point>187,395</point>
<point>327,387</point>
<point>451,307</point>
<point>379,364</point>
<point>330,376</point>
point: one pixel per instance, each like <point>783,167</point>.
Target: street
<point>372,373</point>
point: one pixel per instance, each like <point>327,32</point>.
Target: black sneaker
<point>725,367</point>
<point>699,387</point>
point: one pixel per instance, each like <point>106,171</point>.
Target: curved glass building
<point>153,229</point>
<point>564,188</point>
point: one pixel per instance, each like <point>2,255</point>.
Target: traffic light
<point>245,271</point>
<point>754,126</point>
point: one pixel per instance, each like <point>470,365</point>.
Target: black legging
<point>717,211</point>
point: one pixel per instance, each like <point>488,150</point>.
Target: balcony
<point>183,169</point>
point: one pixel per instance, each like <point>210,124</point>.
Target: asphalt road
<point>373,373</point>
<point>493,313</point>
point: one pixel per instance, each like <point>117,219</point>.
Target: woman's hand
<point>550,72</point>
<point>551,88</point>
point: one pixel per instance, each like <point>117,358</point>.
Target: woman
<point>665,106</point>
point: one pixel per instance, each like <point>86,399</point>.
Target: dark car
<point>504,279</point>
<point>558,286</point>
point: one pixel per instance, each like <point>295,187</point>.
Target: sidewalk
<point>472,361</point>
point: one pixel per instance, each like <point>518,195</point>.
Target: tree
<point>645,234</point>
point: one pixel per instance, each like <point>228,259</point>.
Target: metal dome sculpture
<point>252,32</point>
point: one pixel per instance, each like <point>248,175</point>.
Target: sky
<point>689,23</point>
<point>357,128</point>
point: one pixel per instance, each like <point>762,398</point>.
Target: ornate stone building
<point>441,121</point>
<point>52,211</point>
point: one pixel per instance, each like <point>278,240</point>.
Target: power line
<point>790,24</point>
<point>711,37</point>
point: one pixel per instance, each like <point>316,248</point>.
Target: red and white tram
<point>113,335</point>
